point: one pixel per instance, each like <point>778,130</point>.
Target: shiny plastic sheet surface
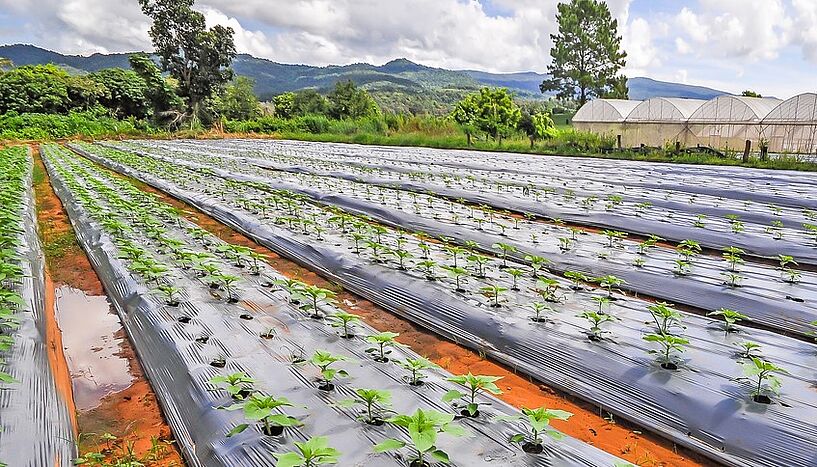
<point>700,409</point>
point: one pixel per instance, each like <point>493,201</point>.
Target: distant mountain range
<point>399,85</point>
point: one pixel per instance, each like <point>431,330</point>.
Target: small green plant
<point>476,385</point>
<point>423,429</point>
<point>761,374</point>
<point>539,310</point>
<point>665,317</point>
<point>537,263</point>
<point>515,275</point>
<point>323,360</point>
<point>344,320</point>
<point>749,349</point>
<point>238,385</point>
<point>730,318</point>
<point>504,250</point>
<point>266,411</point>
<point>577,278</point>
<point>318,296</point>
<point>458,274</point>
<point>416,368</point>
<point>383,340</point>
<point>493,292</point>
<point>732,255</point>
<point>609,282</point>
<point>670,346</point>
<point>535,423</point>
<point>596,320</point>
<point>733,280</point>
<point>170,294</point>
<point>314,452</point>
<point>375,402</point>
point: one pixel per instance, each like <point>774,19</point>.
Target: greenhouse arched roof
<point>665,110</point>
<point>605,110</point>
<point>727,109</point>
<point>799,109</point>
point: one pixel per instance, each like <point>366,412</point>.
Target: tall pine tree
<point>586,54</point>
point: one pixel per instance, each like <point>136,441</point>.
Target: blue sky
<point>765,45</point>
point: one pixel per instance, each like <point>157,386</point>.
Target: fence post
<point>618,141</point>
<point>747,150</point>
<point>677,147</point>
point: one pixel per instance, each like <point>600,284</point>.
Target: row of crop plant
<point>274,364</point>
<point>371,259</point>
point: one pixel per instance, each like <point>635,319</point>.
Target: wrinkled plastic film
<point>35,415</point>
<point>692,408</point>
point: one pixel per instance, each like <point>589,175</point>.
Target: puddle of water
<point>89,330</point>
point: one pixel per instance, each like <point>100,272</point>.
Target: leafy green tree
<point>465,114</point>
<point>160,92</point>
<point>238,101</point>
<point>309,101</point>
<point>126,94</point>
<point>197,57</point>
<point>750,93</point>
<point>284,104</point>
<point>586,54</point>
<point>497,113</point>
<point>46,89</point>
<point>5,64</point>
<point>348,101</point>
<point>536,125</point>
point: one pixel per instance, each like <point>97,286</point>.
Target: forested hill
<point>400,85</point>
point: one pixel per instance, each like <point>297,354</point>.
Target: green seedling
<point>416,367</point>
<point>313,453</point>
<point>535,423</point>
<point>238,385</point>
<point>761,375</point>
<point>323,360</point>
<point>342,319</point>
<point>384,341</point>
<point>596,320</point>
<point>375,402</point>
<point>476,385</point>
<point>730,318</point>
<point>670,345</point>
<point>493,292</point>
<point>266,411</point>
<point>423,427</point>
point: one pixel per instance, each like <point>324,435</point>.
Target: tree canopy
<point>348,101</point>
<point>750,93</point>
<point>47,89</point>
<point>238,102</point>
<point>586,56</point>
<point>126,92</point>
<point>491,111</point>
<point>197,57</point>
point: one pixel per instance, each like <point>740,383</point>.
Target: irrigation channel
<point>441,264</point>
<point>190,320</point>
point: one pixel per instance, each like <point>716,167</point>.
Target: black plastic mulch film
<point>35,419</point>
<point>178,369</point>
<point>758,245</point>
<point>702,408</point>
<point>768,309</point>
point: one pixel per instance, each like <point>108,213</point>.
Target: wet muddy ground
<point>111,393</point>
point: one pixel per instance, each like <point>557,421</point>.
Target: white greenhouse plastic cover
<point>665,109</point>
<point>799,109</point>
<point>605,110</point>
<point>734,109</point>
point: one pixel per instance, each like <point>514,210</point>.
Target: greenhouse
<point>659,121</point>
<point>728,121</point>
<point>792,125</point>
<point>725,122</point>
<point>604,116</point>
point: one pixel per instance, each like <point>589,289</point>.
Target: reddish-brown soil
<point>132,415</point>
<point>587,424</point>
